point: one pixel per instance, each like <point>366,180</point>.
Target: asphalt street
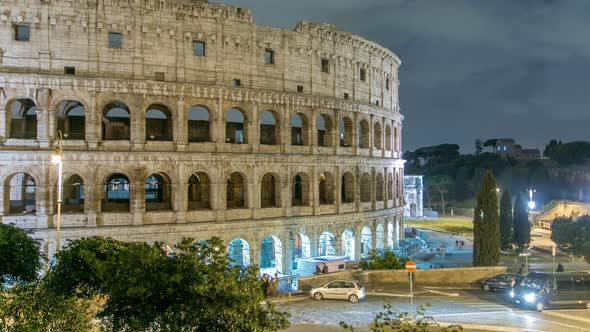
<point>471,308</point>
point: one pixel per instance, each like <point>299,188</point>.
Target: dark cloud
<point>471,68</point>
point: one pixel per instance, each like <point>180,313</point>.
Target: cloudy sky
<point>470,68</point>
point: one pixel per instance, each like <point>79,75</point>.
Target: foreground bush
<point>387,261</point>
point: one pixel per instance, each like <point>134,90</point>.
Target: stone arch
<point>158,192</point>
<point>326,188</point>
<point>345,131</point>
<point>117,194</point>
<point>365,187</point>
<point>391,231</point>
<point>271,255</point>
<point>324,130</point>
<point>389,186</point>
<point>299,129</point>
<point>199,191</point>
<point>199,124</point>
<point>366,241</point>
<point>347,188</point>
<point>270,132</point>
<point>116,122</point>
<point>236,129</point>
<point>326,244</point>
<point>20,194</point>
<point>158,123</point>
<point>239,252</point>
<point>236,191</point>
<point>364,132</point>
<point>348,244</point>
<point>379,187</point>
<point>380,238</point>
<point>73,194</point>
<point>301,249</point>
<point>377,135</point>
<point>388,138</point>
<point>71,120</point>
<point>300,189</point>
<point>22,115</point>
<point>270,191</point>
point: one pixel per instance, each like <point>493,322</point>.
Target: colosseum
<point>184,118</point>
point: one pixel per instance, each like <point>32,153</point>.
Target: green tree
<point>506,227</point>
<point>522,226</point>
<point>19,255</point>
<point>387,261</point>
<point>563,232</point>
<point>486,226</point>
<point>439,186</point>
<point>196,289</point>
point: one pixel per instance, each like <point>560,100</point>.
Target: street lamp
<point>56,158</point>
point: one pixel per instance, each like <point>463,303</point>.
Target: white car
<point>350,290</point>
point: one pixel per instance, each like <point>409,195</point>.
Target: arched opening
<point>326,244</point>
<point>300,194</point>
<point>324,127</point>
<point>199,127</point>
<point>348,244</point>
<point>377,135</point>
<point>239,252</point>
<point>299,130</point>
<point>270,189</point>
<point>22,194</point>
<point>380,239</point>
<point>271,255</point>
<point>23,119</point>
<point>73,194</point>
<point>347,189</point>
<point>158,123</point>
<point>326,189</point>
<point>365,242</point>
<point>269,129</point>
<point>301,249</point>
<point>158,192</point>
<point>397,186</point>
<point>116,122</point>
<point>199,192</point>
<point>396,139</point>
<point>71,120</point>
<point>389,186</point>
<point>236,191</point>
<point>379,187</point>
<point>364,134</point>
<point>235,130</point>
<point>388,138</point>
<point>365,188</point>
<point>117,194</point>
<point>345,129</point>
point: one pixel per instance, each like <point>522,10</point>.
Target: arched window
<point>71,120</point>
<point>377,135</point>
<point>299,130</point>
<point>239,252</point>
<point>236,192</point>
<point>347,190</point>
<point>269,129</point>
<point>345,129</point>
<point>300,194</point>
<point>158,192</point>
<point>117,196</point>
<point>396,139</point>
<point>199,127</point>
<point>326,189</point>
<point>23,119</point>
<point>364,134</point>
<point>301,249</point>
<point>388,138</point>
<point>116,122</point>
<point>366,238</point>
<point>199,192</point>
<point>379,186</point>
<point>324,127</point>
<point>22,194</point>
<point>270,189</point>
<point>158,123</point>
<point>73,194</point>
<point>271,255</point>
<point>389,186</point>
<point>380,239</point>
<point>348,245</point>
<point>235,129</point>
<point>365,188</point>
<point>326,244</point>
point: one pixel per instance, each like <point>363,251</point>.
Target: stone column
<point>91,202</point>
<point>52,125</point>
<point>4,116</point>
<point>373,188</point>
<point>180,130</point>
<point>357,243</point>
<point>253,129</point>
<point>313,131</point>
<point>314,240</point>
<point>182,201</point>
<point>218,116</point>
<point>43,100</point>
<point>355,133</point>
<point>338,243</point>
<point>137,127</point>
<point>4,197</point>
<point>288,247</point>
<point>137,199</point>
<point>371,135</point>
<point>285,140</point>
<point>93,122</point>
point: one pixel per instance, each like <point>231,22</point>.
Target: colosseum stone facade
<point>184,118</point>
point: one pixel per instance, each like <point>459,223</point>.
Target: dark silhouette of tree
<point>486,224</point>
<point>506,226</point>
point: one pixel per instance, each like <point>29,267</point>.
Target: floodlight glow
<point>531,205</point>
<point>56,159</point>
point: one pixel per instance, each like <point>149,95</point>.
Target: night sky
<point>470,68</point>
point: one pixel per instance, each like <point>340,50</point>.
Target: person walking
<point>560,268</point>
<point>324,268</point>
<point>521,270</point>
<point>265,285</point>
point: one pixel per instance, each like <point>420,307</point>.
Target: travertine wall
<point>157,37</point>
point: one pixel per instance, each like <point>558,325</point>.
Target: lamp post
<point>531,204</point>
<point>57,159</point>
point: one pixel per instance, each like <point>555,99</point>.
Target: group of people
<point>322,270</point>
<point>459,243</point>
<point>270,285</point>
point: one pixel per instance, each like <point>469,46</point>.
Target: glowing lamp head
<point>56,159</point>
<point>531,205</point>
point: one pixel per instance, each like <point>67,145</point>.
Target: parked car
<point>501,282</point>
<point>541,290</point>
<point>350,290</point>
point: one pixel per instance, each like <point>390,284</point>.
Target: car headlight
<point>512,294</point>
<point>530,297</point>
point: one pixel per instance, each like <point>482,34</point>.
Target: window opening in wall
<point>324,130</point>
<point>363,74</point>
<point>234,127</point>
<point>22,32</point>
<point>386,84</point>
<point>377,102</point>
<point>296,130</point>
<point>21,194</point>
<point>345,95</point>
<point>117,194</point>
<point>71,120</point>
<point>269,56</point>
<point>345,131</point>
<point>269,191</point>
<point>115,40</point>
<point>198,192</point>
<point>198,125</point>
<point>236,82</point>
<point>70,70</point>
<point>268,129</point>
<point>198,48</point>
<point>23,119</point>
<point>157,193</point>
<point>300,88</point>
<point>73,193</point>
<point>158,124</point>
<point>325,65</point>
<point>235,192</point>
<point>160,76</point>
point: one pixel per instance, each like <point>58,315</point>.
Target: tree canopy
<point>573,235</point>
<point>506,226</point>
<point>522,226</point>
<point>486,226</point>
<point>19,255</point>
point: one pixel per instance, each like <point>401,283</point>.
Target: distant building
<point>413,196</point>
<point>507,147</point>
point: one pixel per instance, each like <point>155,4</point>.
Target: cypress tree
<point>522,227</point>
<point>486,224</point>
<point>506,227</point>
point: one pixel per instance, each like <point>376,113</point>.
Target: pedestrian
<point>560,268</point>
<point>318,270</point>
<point>275,285</point>
<point>512,282</point>
<point>265,285</point>
<point>324,268</point>
<point>521,270</point>
<point>456,243</point>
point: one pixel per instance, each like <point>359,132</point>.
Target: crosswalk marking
<point>563,315</point>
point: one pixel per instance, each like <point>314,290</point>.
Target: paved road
<point>468,307</point>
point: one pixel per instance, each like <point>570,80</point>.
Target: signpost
<point>553,254</point>
<point>411,268</point>
<point>526,260</point>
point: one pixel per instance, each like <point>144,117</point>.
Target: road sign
<point>410,266</point>
<point>524,254</point>
<point>553,251</point>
